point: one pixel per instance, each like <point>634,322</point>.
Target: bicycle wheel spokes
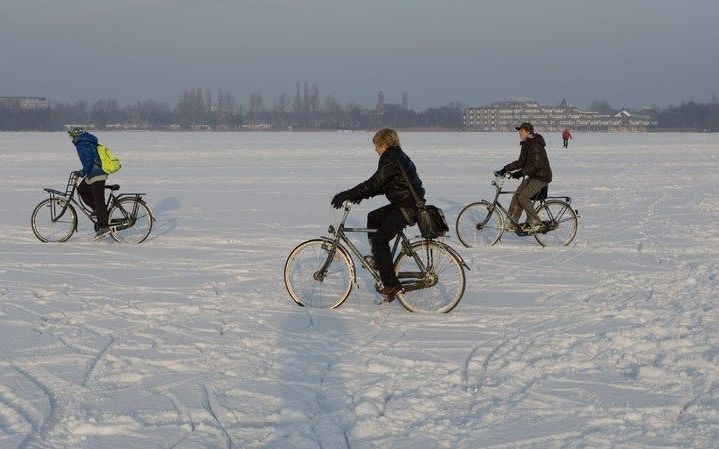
<point>307,286</point>
<point>131,221</point>
<point>50,223</point>
<point>442,286</point>
<point>562,221</point>
<point>477,226</point>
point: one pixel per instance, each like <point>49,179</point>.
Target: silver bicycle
<point>482,223</point>
<point>321,272</point>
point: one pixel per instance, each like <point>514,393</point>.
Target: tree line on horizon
<point>199,108</point>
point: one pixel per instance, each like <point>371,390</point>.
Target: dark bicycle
<point>483,223</point>
<point>321,272</point>
<point>55,219</point>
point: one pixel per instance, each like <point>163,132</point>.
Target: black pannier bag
<point>430,219</point>
<point>431,222</point>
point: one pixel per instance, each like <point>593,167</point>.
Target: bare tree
<point>225,103</point>
<point>257,105</point>
<point>297,106</point>
<point>314,105</point>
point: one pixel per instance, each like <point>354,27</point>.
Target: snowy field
<point>190,340</point>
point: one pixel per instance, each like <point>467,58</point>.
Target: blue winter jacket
<point>86,146</point>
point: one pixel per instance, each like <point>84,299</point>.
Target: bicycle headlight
<point>331,230</point>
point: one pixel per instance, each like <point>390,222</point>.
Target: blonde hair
<point>385,138</point>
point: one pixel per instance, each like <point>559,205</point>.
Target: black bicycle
<point>321,272</point>
<point>55,218</point>
<point>482,223</point>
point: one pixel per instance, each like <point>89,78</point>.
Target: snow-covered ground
<point>190,340</point>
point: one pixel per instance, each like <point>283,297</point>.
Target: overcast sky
<point>630,52</point>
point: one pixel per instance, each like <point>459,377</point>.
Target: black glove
<point>78,173</point>
<point>518,174</point>
<point>499,173</point>
<point>340,198</point>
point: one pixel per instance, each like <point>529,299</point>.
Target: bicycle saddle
<point>113,187</point>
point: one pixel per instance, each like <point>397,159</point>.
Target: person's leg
<point>85,192</point>
<point>515,210</point>
<point>376,217</point>
<point>390,226</point>
<point>524,198</point>
<point>98,195</point>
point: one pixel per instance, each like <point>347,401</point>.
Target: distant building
<point>383,108</point>
<point>505,115</point>
<point>25,102</point>
<point>379,109</point>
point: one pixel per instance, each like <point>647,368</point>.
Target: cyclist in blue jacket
<point>92,187</point>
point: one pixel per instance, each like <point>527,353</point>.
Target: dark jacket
<point>388,180</point>
<point>86,146</point>
<point>533,161</point>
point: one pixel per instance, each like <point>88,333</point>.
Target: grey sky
<point>629,52</point>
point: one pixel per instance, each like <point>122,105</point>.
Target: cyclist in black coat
<point>534,164</point>
<point>402,210</point>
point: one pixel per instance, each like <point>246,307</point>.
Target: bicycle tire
<point>477,226</point>
<point>443,263</point>
<point>64,228</point>
<point>301,266</point>
<point>140,224</point>
<point>557,213</point>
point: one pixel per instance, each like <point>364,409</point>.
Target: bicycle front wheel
<point>307,286</point>
<point>130,221</point>
<point>561,222</point>
<point>478,224</point>
<point>50,223</point>
<point>434,278</point>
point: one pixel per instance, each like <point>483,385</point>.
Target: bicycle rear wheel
<point>561,221</point>
<point>130,221</point>
<point>307,286</point>
<point>443,273</point>
<point>479,225</point>
<point>49,222</point>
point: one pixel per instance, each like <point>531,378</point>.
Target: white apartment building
<point>505,115</point>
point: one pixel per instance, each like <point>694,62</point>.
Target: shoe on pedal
<point>390,292</point>
<point>533,228</point>
<point>101,232</point>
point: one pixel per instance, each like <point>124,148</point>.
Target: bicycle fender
<point>454,252</point>
<point>450,250</point>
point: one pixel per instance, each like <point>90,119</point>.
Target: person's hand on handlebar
<point>501,173</point>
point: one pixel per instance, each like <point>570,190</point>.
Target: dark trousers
<point>522,200</point>
<point>389,221</point>
<point>566,143</point>
<point>94,196</point>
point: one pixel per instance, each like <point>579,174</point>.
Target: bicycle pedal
<point>385,300</point>
<point>369,260</point>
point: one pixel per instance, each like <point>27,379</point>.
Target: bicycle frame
<point>68,197</point>
<point>497,204</point>
<point>422,279</point>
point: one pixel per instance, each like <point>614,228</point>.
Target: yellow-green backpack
<point>108,161</point>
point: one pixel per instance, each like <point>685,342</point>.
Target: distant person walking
<point>566,135</point>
